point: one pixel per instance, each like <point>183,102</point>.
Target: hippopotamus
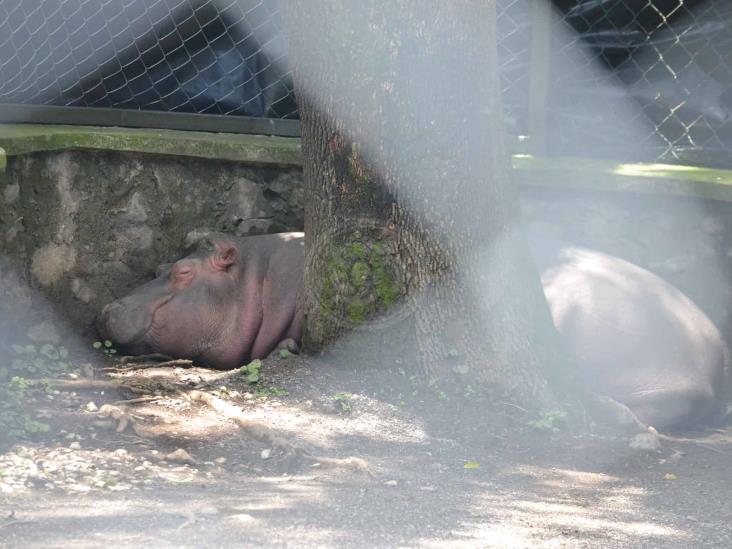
<point>632,336</point>
<point>231,300</point>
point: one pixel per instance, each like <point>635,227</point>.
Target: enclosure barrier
<point>221,65</point>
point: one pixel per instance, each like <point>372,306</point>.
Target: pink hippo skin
<point>230,301</point>
<point>634,337</point>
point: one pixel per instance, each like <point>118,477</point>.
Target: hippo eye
<point>182,275</point>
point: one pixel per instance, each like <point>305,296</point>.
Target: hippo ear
<point>225,256</point>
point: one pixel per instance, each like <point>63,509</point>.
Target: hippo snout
<point>124,323</point>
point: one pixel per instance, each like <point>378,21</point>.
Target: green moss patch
<point>357,283</point>
<point>19,139</point>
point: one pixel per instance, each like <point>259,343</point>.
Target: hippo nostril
<point>124,323</point>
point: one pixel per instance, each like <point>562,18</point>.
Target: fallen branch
<point>705,445</point>
<point>254,428</point>
<point>263,433</point>
<point>145,358</point>
<point>139,400</point>
<point>93,384</point>
<point>176,362</point>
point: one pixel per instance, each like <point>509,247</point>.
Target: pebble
<point>180,456</point>
<point>266,453</point>
<point>75,446</point>
<point>648,442</point>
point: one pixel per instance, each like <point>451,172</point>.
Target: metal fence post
<point>539,72</point>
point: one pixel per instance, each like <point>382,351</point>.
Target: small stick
<point>144,358</point>
<point>139,399</point>
<point>176,362</point>
<point>513,406</point>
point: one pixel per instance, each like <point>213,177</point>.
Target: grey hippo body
<point>231,300</point>
<point>633,336</point>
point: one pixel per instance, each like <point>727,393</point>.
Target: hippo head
<point>189,311</point>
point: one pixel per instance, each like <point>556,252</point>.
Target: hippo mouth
<point>127,325</point>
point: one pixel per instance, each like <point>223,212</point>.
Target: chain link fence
<point>661,66</point>
<point>192,56</point>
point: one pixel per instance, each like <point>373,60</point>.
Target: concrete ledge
<point>27,138</point>
<point>3,159</point>
<point>606,175</point>
<point>562,173</point>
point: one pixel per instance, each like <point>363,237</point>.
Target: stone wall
<point>85,227</point>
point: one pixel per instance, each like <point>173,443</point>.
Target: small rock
<point>648,442</point>
<point>391,483</point>
<point>91,407</point>
<point>220,460</point>
<point>676,456</point>
<point>87,370</point>
<point>208,510</point>
<point>266,453</point>
<point>180,456</point>
<point>242,518</point>
<point>75,446</point>
<point>120,452</point>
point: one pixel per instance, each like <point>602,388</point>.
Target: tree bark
<point>409,196</point>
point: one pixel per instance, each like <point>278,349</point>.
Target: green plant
<point>284,353</point>
<point>549,421</point>
<point>41,361</point>
<point>13,420</point>
<point>343,400</point>
<point>106,347</point>
<point>271,391</point>
<point>251,371</point>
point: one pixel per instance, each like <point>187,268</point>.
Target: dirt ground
<point>178,457</point>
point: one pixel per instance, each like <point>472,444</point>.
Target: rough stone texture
<point>84,227</point>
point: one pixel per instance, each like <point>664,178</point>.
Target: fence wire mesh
<point>195,56</point>
<point>670,58</point>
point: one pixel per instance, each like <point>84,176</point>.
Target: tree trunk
<point>409,197</point>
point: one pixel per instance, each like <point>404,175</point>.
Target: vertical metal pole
<point>539,71</point>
